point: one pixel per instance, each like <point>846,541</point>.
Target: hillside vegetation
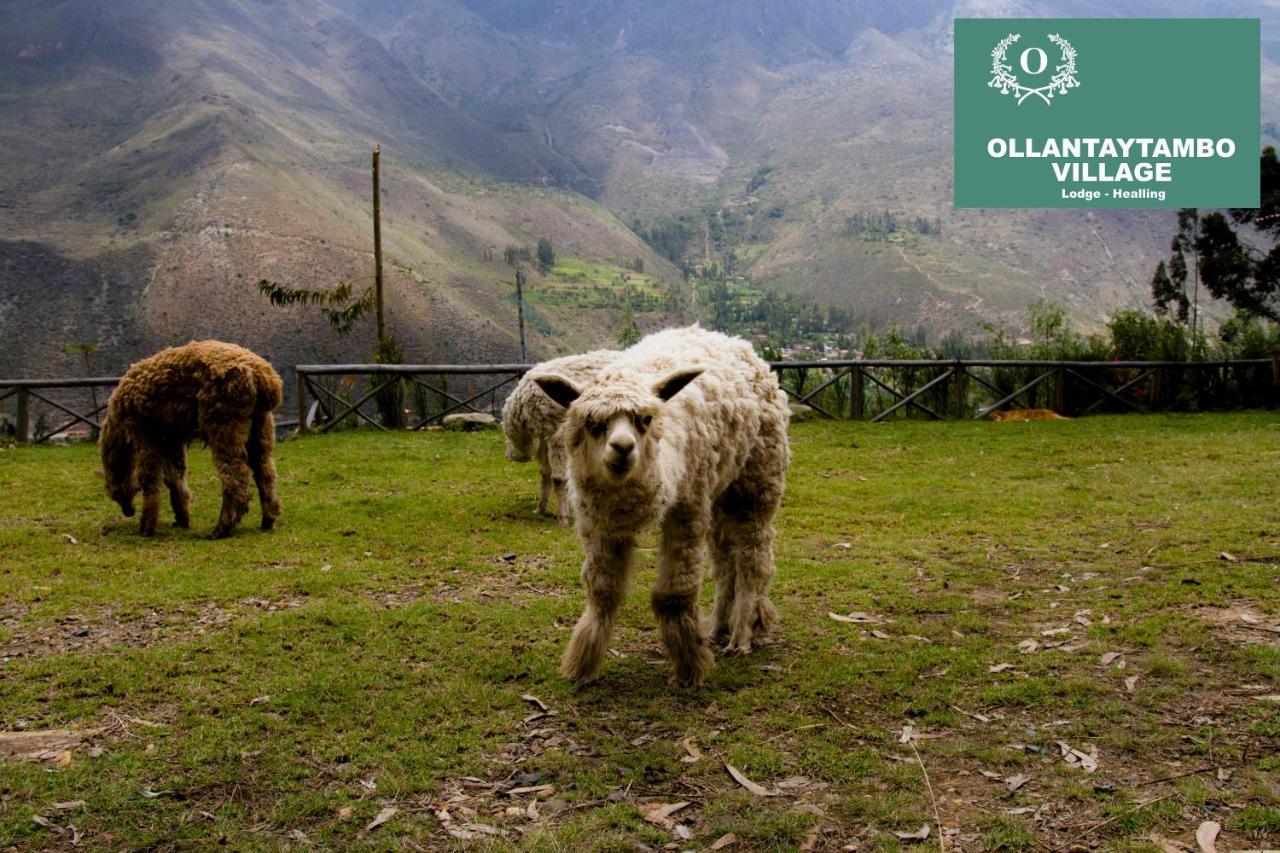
<point>1006,604</point>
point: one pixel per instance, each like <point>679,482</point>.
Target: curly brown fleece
<point>210,391</point>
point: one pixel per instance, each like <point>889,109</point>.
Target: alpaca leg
<point>604,575</point>
<point>562,501</point>
<point>544,497</point>
<point>558,463</point>
<point>176,479</point>
<point>544,465</point>
<point>751,610</point>
<point>227,442</point>
<point>726,574</point>
<point>149,463</point>
<point>745,526</point>
<point>675,595</point>
<point>259,450</point>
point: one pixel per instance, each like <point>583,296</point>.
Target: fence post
<point>855,393</point>
<point>301,386</point>
<point>1060,392</point>
<point>24,415</point>
<point>959,390</point>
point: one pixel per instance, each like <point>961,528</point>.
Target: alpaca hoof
<point>220,533</point>
<point>736,649</point>
<point>687,679</point>
<point>578,677</point>
<point>182,523</point>
<point>268,523</point>
<point>689,674</point>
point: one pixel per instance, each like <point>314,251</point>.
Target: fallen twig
<point>937,819</point>
<point>1111,820</point>
<point>793,731</point>
<point>1208,769</point>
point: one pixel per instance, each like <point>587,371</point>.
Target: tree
<point>338,307</point>
<point>1246,277</point>
<point>629,333</point>
<point>546,254</point>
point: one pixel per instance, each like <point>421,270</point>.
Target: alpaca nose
<point>622,446</point>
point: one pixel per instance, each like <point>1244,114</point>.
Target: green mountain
<point>158,159</point>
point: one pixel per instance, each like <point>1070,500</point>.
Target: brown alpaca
<point>209,391</point>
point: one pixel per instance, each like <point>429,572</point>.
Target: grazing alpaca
<point>530,420</point>
<point>211,391</point>
<point>687,428</point>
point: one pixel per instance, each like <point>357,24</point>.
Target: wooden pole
<point>959,390</point>
<point>856,393</point>
<point>24,415</point>
<point>524,357</point>
<point>302,400</point>
<point>377,244</point>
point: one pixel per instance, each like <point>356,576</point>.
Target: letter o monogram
<point>1044,60</point>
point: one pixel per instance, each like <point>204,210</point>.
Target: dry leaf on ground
<point>859,617</point>
<point>529,697</point>
<point>691,747</point>
<point>383,816</point>
<point>1016,782</point>
<point>1207,836</point>
<point>724,841</point>
<point>659,814</point>
<point>919,835</point>
<point>742,780</point>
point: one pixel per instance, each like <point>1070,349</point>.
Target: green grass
<point>374,649</point>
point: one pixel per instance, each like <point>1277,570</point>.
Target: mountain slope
<point>172,155</point>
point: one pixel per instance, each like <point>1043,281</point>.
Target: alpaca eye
<point>596,428</point>
<point>648,419</point>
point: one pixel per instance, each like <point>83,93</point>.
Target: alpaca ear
<point>559,389</point>
<point>671,385</point>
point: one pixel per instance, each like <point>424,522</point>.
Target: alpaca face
<point>124,495</point>
<point>117,467</point>
<point>612,435</point>
<point>617,447</point>
<point>518,447</point>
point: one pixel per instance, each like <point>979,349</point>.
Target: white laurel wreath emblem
<point>1064,77</point>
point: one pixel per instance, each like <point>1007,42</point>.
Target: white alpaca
<point>530,421</point>
<point>688,429</point>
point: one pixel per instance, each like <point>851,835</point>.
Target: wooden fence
<point>419,395</point>
<point>875,390</point>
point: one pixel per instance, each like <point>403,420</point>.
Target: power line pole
<point>524,356</point>
<point>377,244</point>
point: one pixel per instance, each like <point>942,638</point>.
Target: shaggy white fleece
<point>530,420</point>
<point>687,429</point>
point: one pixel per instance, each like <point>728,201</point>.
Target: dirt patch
<point>510,578</point>
<point>1241,624</point>
<point>109,630</point>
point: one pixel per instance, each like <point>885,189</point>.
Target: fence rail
<point>57,397</point>
<point>420,395</point>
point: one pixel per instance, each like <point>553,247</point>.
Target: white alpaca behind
<point>530,421</point>
<point>687,429</point>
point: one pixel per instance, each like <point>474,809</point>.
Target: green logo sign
<point>1152,112</point>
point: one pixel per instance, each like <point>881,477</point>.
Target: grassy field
<point>380,671</point>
